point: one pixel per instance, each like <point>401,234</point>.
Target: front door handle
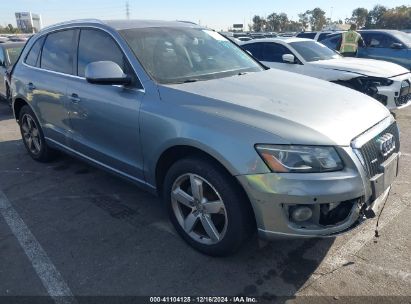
<point>31,86</point>
<point>74,98</point>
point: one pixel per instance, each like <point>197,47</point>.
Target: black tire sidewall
<point>233,199</point>
<point>44,154</point>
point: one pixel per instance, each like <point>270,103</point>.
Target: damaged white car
<point>387,82</point>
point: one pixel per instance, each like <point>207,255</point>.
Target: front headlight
<point>301,159</point>
<point>376,81</point>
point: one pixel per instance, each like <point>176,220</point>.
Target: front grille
<point>405,93</point>
<point>371,153</point>
<point>402,100</point>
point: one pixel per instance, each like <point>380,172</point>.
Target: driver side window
<point>96,45</point>
<point>273,52</point>
<point>378,40</point>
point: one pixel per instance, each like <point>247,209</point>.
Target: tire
<point>33,137</point>
<point>191,213</point>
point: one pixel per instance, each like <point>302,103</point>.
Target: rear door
<point>2,72</point>
<point>47,82</point>
<point>104,119</point>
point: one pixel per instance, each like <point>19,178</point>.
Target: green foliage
<point>9,29</point>
<point>359,16</point>
<point>379,17</point>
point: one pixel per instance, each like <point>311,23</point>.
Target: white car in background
<point>387,82</point>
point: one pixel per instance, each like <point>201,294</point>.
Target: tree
<point>359,16</point>
<point>273,23</point>
<point>375,17</point>
<point>304,19</point>
<point>258,23</point>
<point>397,18</point>
<point>283,18</point>
<point>317,19</point>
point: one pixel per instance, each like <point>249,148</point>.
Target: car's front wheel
<point>33,136</point>
<point>206,207</point>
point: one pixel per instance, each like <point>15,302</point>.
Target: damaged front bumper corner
<point>337,202</point>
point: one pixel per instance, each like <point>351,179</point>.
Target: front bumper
<point>393,96</point>
<point>273,195</point>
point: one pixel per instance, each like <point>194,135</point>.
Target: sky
<point>218,15</point>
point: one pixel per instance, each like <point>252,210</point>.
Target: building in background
<point>28,22</point>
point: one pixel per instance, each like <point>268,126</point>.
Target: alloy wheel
<point>31,134</point>
<point>199,209</point>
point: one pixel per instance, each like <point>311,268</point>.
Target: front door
<point>104,119</point>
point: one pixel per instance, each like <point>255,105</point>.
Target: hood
<point>297,108</point>
<point>367,67</point>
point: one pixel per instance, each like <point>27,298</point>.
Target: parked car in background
<point>288,34</point>
<point>18,38</point>
<point>9,53</point>
<point>244,38</point>
<point>318,36</point>
<point>229,145</point>
<point>387,82</point>
<point>389,45</point>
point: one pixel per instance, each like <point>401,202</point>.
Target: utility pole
<point>127,10</point>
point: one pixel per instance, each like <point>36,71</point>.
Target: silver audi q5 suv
<point>231,146</point>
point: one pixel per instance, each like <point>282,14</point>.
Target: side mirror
<point>288,58</point>
<point>396,45</point>
<point>106,72</point>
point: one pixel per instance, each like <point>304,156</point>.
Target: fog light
<point>301,214</point>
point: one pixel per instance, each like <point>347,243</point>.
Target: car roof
<point>278,39</point>
<point>7,45</point>
<point>377,31</point>
<point>125,24</point>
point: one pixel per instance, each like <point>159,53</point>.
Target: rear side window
<point>33,55</point>
<point>255,49</point>
<point>97,45</point>
<point>323,36</point>
<point>273,52</point>
<point>332,42</point>
<point>2,58</point>
<point>57,54</point>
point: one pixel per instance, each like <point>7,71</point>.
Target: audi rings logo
<point>386,144</point>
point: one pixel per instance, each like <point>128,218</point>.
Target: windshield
<point>13,54</point>
<point>314,51</point>
<point>404,38</point>
<point>175,55</point>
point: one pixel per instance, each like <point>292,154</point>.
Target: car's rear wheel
<point>33,136</point>
<point>206,207</point>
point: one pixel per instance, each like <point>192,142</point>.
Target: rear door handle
<point>31,86</point>
<point>74,98</point>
